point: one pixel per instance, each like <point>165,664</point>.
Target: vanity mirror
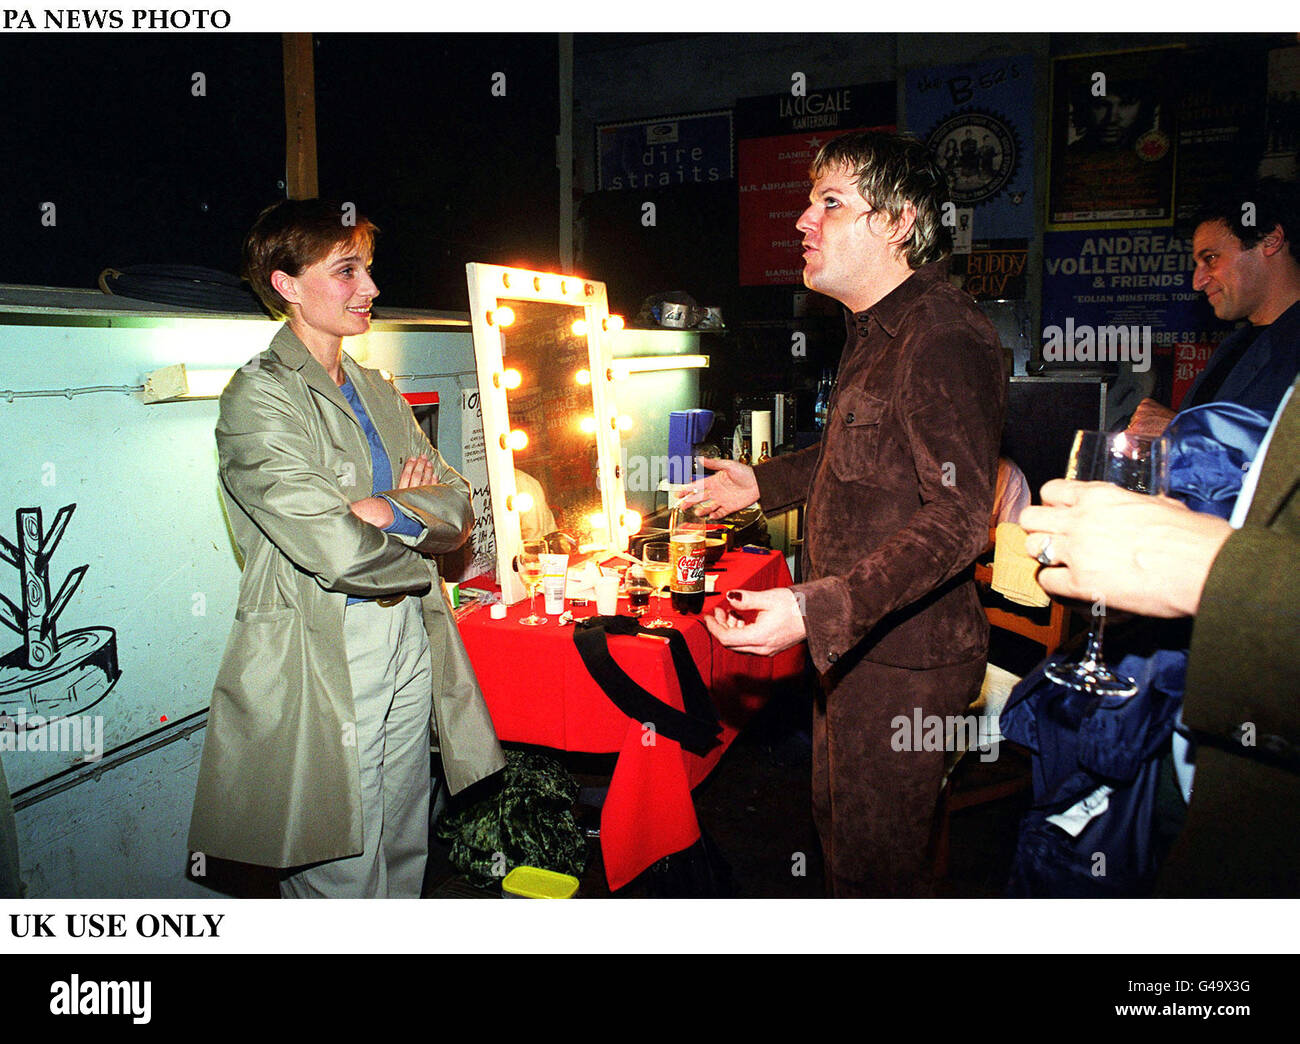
<point>542,348</point>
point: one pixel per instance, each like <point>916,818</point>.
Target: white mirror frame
<point>489,287</point>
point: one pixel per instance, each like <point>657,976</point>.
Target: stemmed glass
<point>1134,462</point>
<point>530,571</point>
<point>656,561</point>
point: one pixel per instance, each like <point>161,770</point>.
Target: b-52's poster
<point>978,119</point>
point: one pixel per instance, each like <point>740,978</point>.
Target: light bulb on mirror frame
<point>516,440</point>
<point>520,502</point>
<point>587,425</point>
<point>510,379</point>
<point>579,328</point>
<point>624,422</point>
<point>613,323</point>
<point>599,529</point>
<point>630,521</point>
<point>583,377</point>
<point>502,316</point>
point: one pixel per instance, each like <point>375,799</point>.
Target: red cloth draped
<point>539,692</point>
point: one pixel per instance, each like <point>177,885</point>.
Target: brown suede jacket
<point>900,489</point>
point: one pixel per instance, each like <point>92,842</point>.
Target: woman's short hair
<point>892,170</point>
<point>292,234</point>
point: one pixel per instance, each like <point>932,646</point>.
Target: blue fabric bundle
<point>1211,447</point>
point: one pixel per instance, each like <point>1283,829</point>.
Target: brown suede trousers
<point>874,806</point>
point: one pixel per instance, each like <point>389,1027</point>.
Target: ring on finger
<point>1044,555</point>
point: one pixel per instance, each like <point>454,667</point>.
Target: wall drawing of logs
<point>49,674</point>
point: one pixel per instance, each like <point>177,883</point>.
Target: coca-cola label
<point>687,555</point>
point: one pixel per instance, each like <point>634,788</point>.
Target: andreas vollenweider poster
<point>1139,280</point>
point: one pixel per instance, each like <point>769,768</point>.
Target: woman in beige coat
<point>343,650</point>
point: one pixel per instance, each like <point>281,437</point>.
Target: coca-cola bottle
<point>687,552</point>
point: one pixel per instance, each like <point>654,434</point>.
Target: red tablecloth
<point>539,692</point>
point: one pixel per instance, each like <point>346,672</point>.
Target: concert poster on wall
<point>992,269</point>
<point>1282,115</point>
<point>778,136</point>
<point>1138,283</point>
<point>978,120</point>
<point>1113,139</point>
<point>664,152</point>
<point>1220,122</point>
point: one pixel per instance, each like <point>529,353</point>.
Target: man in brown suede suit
<point>899,495</point>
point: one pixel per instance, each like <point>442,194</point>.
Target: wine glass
<point>1134,462</point>
<point>530,571</point>
<point>656,561</point>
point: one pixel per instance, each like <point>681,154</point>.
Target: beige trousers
<point>392,692</point>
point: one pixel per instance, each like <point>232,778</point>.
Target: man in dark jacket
<point>1247,252</point>
<point>899,494</point>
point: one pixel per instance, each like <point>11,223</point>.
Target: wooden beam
<point>299,116</point>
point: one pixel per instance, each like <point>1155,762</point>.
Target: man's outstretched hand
<point>731,487</point>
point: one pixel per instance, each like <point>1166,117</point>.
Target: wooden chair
<point>1051,634</point>
<point>966,789</point>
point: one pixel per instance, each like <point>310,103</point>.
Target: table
<point>539,692</point>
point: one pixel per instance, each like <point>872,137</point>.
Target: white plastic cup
<point>607,595</point>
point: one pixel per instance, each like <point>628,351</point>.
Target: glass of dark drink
<point>638,590</point>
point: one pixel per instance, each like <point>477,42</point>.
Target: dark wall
<point>139,168</point>
<point>408,128</point>
<point>691,245</point>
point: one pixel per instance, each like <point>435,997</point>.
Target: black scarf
<point>696,728</point>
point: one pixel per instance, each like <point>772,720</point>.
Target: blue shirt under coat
<point>381,470</point>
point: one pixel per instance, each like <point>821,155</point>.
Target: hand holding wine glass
<point>1133,462</point>
<point>1146,555</point>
